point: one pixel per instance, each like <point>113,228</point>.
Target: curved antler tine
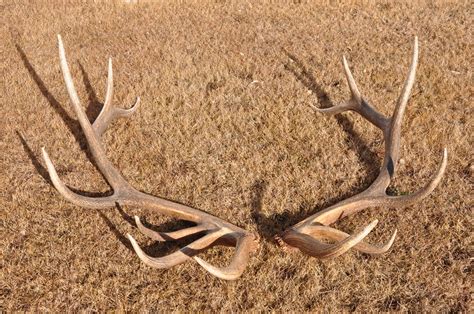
<point>244,247</point>
<point>99,125</point>
<point>109,172</point>
<point>109,95</point>
<point>348,105</point>
<point>80,200</point>
<point>351,82</point>
<point>168,236</point>
<point>177,257</point>
<point>393,143</point>
<point>108,112</point>
<point>337,235</point>
<point>70,84</point>
<point>123,113</point>
<point>315,248</point>
<point>406,200</point>
<point>356,103</point>
<point>410,80</point>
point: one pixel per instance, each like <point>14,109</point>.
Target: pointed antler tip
<point>137,221</point>
<point>374,223</point>
<point>344,60</point>
<point>315,108</point>
<point>45,154</point>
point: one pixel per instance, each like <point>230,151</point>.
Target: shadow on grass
<point>73,125</point>
<point>44,172</point>
<point>274,224</point>
<point>157,248</point>
<point>92,111</point>
<point>269,226</point>
<point>353,140</point>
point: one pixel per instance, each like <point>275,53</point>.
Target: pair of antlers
<point>303,235</point>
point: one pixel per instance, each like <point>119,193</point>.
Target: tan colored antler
<point>305,234</point>
<point>212,227</point>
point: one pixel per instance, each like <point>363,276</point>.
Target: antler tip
<point>373,224</point>
<point>344,60</point>
<point>315,108</point>
<point>217,272</point>
<point>46,157</point>
<point>394,235</point>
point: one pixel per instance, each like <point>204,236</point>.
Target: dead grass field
<point>225,126</point>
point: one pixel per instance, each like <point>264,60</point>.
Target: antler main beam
<point>214,229</point>
<point>306,233</point>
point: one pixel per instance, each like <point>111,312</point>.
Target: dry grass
<point>225,126</point>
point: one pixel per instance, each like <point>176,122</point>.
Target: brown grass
<point>225,126</point>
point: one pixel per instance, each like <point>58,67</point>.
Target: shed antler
<point>306,233</point>
<point>213,228</point>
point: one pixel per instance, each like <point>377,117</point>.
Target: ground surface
<point>225,126</point>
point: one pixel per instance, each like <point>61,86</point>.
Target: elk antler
<point>305,234</point>
<point>213,227</point>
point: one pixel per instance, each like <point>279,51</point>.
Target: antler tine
<point>316,248</point>
<point>109,172</point>
<point>337,235</point>
<point>108,112</point>
<point>356,103</point>
<point>180,256</point>
<point>303,235</point>
<point>168,236</point>
<point>392,140</point>
<point>245,245</point>
<point>80,200</point>
<point>124,194</point>
<point>409,199</point>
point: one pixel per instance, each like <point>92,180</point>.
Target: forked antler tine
<point>80,200</point>
<point>108,170</point>
<point>108,112</point>
<point>180,256</point>
<point>337,235</point>
<point>168,236</point>
<point>311,246</point>
<point>356,103</point>
<point>244,246</point>
<point>350,104</point>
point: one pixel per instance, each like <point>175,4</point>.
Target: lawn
<point>225,125</point>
